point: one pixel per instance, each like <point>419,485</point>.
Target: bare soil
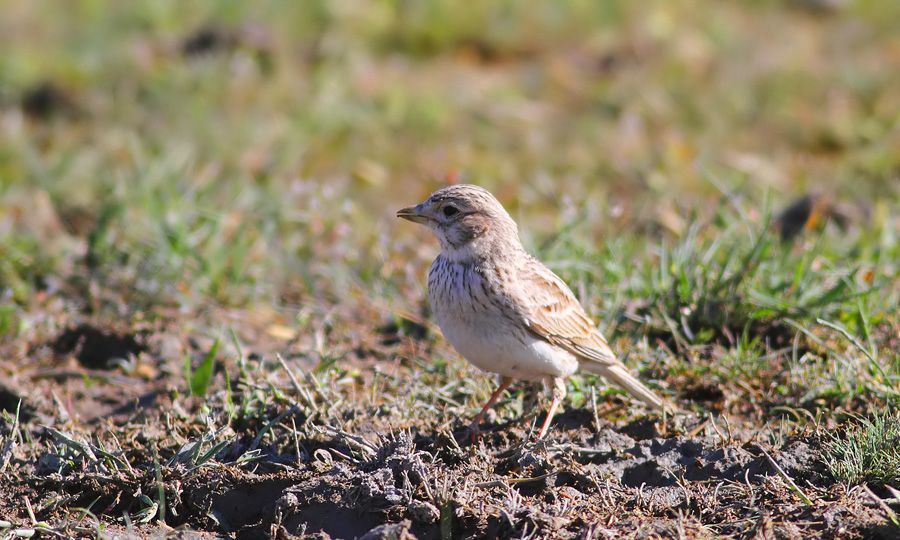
<point>601,473</point>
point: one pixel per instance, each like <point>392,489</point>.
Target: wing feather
<point>555,315</point>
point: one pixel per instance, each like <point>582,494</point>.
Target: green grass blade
<point>202,376</point>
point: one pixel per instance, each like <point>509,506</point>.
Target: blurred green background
<point>230,153</point>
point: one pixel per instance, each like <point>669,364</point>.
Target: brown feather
<point>555,315</point>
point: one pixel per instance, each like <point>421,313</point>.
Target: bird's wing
<point>553,313</point>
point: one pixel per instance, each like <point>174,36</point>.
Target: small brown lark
<point>501,308</point>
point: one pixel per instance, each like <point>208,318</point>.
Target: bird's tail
<point>618,374</point>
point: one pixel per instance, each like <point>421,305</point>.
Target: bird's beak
<point>413,213</point>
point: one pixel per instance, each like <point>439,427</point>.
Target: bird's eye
<point>450,211</point>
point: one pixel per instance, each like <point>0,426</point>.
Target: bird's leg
<point>559,392</point>
<point>504,384</point>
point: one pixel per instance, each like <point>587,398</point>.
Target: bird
<point>502,309</point>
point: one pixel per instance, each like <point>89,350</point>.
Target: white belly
<point>495,346</point>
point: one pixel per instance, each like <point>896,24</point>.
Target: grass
<point>218,181</point>
<point>732,297</point>
<point>867,452</point>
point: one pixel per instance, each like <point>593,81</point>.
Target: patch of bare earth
<point>103,427</point>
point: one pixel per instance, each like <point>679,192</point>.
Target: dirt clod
<point>97,348</point>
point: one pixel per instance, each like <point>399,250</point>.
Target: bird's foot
<point>474,432</point>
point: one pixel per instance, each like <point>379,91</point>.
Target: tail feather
<point>618,375</point>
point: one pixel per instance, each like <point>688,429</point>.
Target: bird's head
<point>469,222</point>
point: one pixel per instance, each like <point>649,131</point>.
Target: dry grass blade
<point>891,515</point>
<point>790,481</point>
<point>352,440</point>
<point>10,444</point>
<point>301,390</point>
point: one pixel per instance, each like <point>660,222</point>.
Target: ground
<point>212,324</point>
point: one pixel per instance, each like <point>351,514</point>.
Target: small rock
<point>379,488</point>
<point>390,531</point>
<point>423,512</point>
<point>288,501</point>
<point>51,464</point>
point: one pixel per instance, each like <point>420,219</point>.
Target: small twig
<point>883,505</point>
<point>806,500</point>
<point>728,427</point>
<point>594,409</point>
<point>583,450</point>
<point>749,487</point>
<point>491,484</point>
<point>701,426</point>
<point>297,386</point>
<point>894,493</point>
<point>716,429</point>
<point>342,455</point>
<point>352,440</point>
<point>28,507</point>
<point>296,440</point>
